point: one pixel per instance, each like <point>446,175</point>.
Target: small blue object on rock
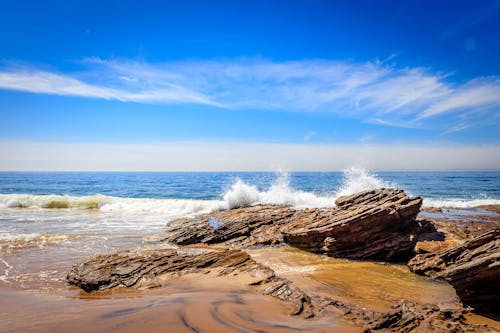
<point>214,223</point>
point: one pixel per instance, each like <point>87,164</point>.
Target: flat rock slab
<point>149,268</point>
<point>473,269</point>
<point>376,224</point>
<point>240,227</point>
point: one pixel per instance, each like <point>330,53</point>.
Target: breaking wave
<point>281,193</point>
<point>239,194</point>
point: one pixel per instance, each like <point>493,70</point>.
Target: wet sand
<point>186,305</point>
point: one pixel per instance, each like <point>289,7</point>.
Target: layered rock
<point>473,269</point>
<point>453,227</point>
<point>411,317</point>
<point>376,224</point>
<point>152,268</point>
<point>254,225</point>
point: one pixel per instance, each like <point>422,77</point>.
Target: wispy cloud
<point>43,82</point>
<point>477,94</point>
<point>373,91</point>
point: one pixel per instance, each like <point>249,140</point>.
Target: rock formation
<point>149,268</point>
<point>411,317</point>
<point>473,269</point>
<point>152,268</point>
<point>376,224</point>
<point>241,227</point>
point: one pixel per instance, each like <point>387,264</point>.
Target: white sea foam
<point>52,201</point>
<point>357,179</point>
<point>281,193</point>
<point>458,203</point>
<point>14,241</point>
<point>174,207</point>
<point>239,194</point>
<point>167,207</point>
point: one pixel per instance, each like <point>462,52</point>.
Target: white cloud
<point>475,95</point>
<point>373,90</point>
<point>240,156</point>
<point>43,82</point>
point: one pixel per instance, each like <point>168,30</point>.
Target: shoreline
<point>142,306</point>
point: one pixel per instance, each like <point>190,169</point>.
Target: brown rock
<point>376,224</point>
<point>255,225</point>
<point>151,268</point>
<point>147,269</point>
<point>411,317</point>
<point>473,269</point>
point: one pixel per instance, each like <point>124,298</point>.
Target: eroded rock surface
<point>473,269</point>
<point>376,224</point>
<point>149,268</point>
<point>411,317</point>
<point>254,225</point>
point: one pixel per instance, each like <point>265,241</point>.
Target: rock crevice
<point>472,268</point>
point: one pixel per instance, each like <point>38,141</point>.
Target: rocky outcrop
<point>376,224</point>
<point>243,227</point>
<point>152,268</point>
<point>473,269</point>
<point>411,317</point>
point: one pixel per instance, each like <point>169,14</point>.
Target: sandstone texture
<point>376,224</point>
<point>240,227</point>
<point>410,317</point>
<point>149,268</point>
<point>152,268</point>
<point>473,269</point>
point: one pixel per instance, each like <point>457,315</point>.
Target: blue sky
<point>311,74</point>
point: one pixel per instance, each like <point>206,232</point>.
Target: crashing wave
<point>239,194</point>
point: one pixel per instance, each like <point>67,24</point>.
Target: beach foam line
<point>239,194</point>
<point>458,203</point>
<point>19,241</point>
<point>108,203</point>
